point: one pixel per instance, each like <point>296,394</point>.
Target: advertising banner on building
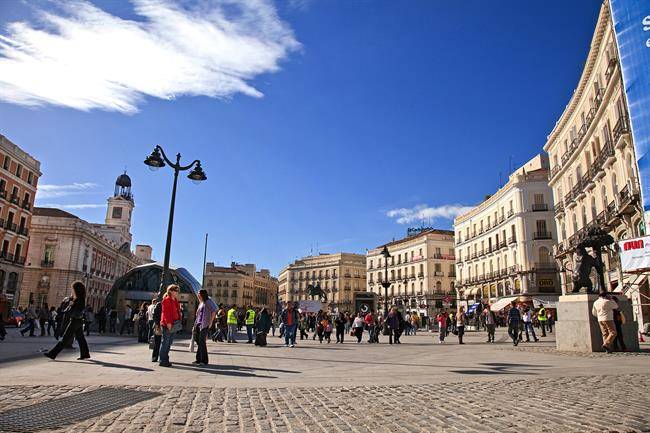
<point>631,20</point>
<point>635,254</point>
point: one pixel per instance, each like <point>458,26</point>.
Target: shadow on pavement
<point>226,370</point>
<point>109,365</point>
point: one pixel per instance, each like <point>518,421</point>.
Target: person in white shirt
<point>603,309</point>
<point>150,311</point>
<point>528,324</point>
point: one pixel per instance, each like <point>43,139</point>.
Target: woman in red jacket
<point>170,322</point>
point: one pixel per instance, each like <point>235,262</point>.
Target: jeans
<point>370,331</point>
<point>232,332</point>
<point>443,334</point>
<point>340,334</point>
<point>30,327</point>
<point>165,345</point>
<point>290,334</point>
<point>72,331</point>
<point>529,326</point>
<point>461,332</point>
<point>157,340</point>
<point>201,336</point>
<point>249,333</point>
<point>513,331</point>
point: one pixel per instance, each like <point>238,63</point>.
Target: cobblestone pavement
<point>578,404</point>
<point>418,386</point>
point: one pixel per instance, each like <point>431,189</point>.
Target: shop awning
<point>502,303</point>
<point>472,291</point>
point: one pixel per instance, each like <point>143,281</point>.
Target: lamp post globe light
<point>385,283</point>
<point>157,160</point>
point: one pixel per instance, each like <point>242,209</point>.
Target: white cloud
<point>82,57</point>
<point>423,212</point>
<point>74,206</point>
<point>52,191</point>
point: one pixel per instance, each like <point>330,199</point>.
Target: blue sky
<point>313,119</point>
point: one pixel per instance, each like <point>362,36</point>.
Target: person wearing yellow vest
<point>541,316</point>
<point>250,323</point>
<point>231,320</point>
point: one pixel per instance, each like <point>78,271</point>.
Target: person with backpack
<point>262,327</point>
<point>74,328</point>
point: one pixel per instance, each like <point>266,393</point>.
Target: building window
<point>19,170</point>
<point>117,212</point>
<point>6,162</point>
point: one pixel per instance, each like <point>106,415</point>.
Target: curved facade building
<point>594,173</point>
<point>141,284</point>
<point>504,245</point>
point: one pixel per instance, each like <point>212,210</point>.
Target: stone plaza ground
<point>418,386</point>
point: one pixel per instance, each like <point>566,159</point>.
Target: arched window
<point>584,217</point>
<point>438,286</point>
<point>614,185</point>
<point>594,212</point>
<point>575,223</point>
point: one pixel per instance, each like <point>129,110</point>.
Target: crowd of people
<point>158,322</point>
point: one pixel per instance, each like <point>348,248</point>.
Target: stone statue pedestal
<point>577,330</point>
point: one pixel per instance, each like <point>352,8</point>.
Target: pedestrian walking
<point>619,321</point>
<point>289,318</point>
<point>30,319</point>
<point>250,323</point>
<point>357,327</point>
<point>541,317</point>
<point>232,321</point>
<point>205,314</point>
<point>392,322</point>
<point>74,328</point>
<point>528,325</point>
<point>150,311</point>
<point>339,326</point>
<point>143,323</point>
<point>514,319</point>
<point>112,321</point>
<point>490,320</point>
<point>42,318</point>
<point>461,319</point>
<point>441,318</point>
<point>127,323</point>
<point>89,319</point>
<point>101,320</point>
<point>156,341</point>
<point>603,309</point>
<point>4,315</point>
<point>170,322</point>
<point>274,324</point>
<point>262,327</point>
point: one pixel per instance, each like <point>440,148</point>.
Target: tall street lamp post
<point>157,160</point>
<point>385,283</point>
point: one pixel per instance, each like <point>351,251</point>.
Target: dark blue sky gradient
<point>388,104</point>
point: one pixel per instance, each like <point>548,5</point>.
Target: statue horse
<point>316,291</point>
<point>583,263</point>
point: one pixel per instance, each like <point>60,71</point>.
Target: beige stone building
<point>65,248</point>
<point>241,284</point>
<point>421,271</point>
<point>594,173</point>
<point>504,245</point>
<point>340,275</point>
<point>19,175</point>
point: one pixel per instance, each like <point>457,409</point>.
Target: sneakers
<point>293,345</point>
<point>285,345</point>
<point>49,355</point>
<point>165,364</point>
<point>81,358</point>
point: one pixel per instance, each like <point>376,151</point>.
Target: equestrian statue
<point>316,291</point>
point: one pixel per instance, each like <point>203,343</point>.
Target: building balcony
<point>510,213</point>
<point>611,68</point>
<point>3,194</point>
<point>20,260</point>
<point>348,275</point>
<point>547,267</point>
<point>26,205</point>
<point>43,285</point>
<point>542,235</point>
<point>540,207</point>
<point>47,264</point>
<point>452,275</point>
<point>439,274</point>
<point>23,231</point>
<point>621,128</point>
<point>420,275</point>
<point>15,200</point>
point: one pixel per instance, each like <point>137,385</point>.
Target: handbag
<point>157,330</point>
<point>177,326</point>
